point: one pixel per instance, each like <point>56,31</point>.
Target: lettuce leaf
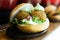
<point>20,22</point>
<point>16,20</point>
<point>36,20</point>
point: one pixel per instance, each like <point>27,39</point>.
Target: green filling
<point>19,22</point>
<point>16,20</point>
<point>36,20</point>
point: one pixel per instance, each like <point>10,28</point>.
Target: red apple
<point>48,2</point>
<point>55,2</point>
<point>7,4</point>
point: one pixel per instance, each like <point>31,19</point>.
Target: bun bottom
<point>14,33</point>
<point>34,28</point>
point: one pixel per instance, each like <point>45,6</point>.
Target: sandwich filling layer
<point>28,15</point>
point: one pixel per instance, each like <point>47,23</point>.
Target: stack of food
<point>28,18</point>
<point>53,12</point>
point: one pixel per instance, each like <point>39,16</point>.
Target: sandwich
<point>28,18</point>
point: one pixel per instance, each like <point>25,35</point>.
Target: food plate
<point>13,32</point>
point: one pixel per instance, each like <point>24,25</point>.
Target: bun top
<point>18,8</point>
<point>50,8</point>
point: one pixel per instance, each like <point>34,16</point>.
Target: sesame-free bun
<point>50,8</point>
<point>17,9</point>
<point>29,28</point>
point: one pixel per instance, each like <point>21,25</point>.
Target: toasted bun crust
<point>50,8</point>
<point>17,9</point>
<point>34,28</point>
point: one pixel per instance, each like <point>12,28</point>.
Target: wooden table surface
<point>52,27</point>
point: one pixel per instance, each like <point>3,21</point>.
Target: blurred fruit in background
<point>48,2</point>
<point>7,4</point>
<point>10,4</point>
<point>42,2</point>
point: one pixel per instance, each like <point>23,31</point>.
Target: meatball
<point>39,14</point>
<point>21,15</point>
